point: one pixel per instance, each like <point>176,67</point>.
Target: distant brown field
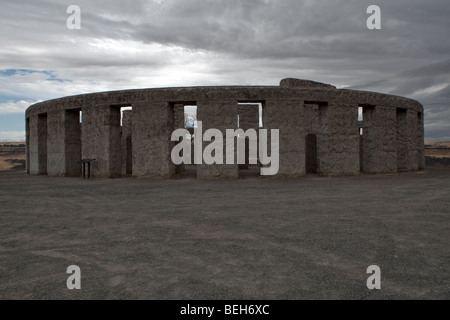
<point>437,149</point>
<point>12,155</point>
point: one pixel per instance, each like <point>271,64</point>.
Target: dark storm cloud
<point>125,44</point>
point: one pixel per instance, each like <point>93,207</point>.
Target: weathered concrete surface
<point>392,139</point>
<point>56,161</point>
<point>310,238</point>
<point>95,139</point>
<point>152,128</point>
<point>379,144</point>
<point>220,115</point>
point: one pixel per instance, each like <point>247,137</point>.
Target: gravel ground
<point>253,238</point>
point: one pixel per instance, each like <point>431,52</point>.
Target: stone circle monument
<point>322,130</point>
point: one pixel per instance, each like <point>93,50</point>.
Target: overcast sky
<point>145,44</point>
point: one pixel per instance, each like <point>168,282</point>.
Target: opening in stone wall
<point>185,117</point>
<point>72,141</point>
<point>126,115</point>
<point>311,153</point>
<point>249,116</point>
<point>367,140</point>
<point>190,123</point>
<point>315,124</point>
<point>115,141</point>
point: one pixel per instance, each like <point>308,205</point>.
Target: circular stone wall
<point>322,130</point>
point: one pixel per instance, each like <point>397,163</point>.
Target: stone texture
<point>379,145</point>
<point>56,164</point>
<point>288,118</point>
<point>152,128</point>
<point>317,123</point>
<point>219,115</point>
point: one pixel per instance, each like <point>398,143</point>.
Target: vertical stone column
<point>378,147</point>
<point>63,143</point>
<point>95,137</point>
<point>288,117</point>
<point>420,142</point>
<point>411,142</point>
<point>369,141</point>
<point>38,144</point>
<point>33,148</point>
<point>27,139</point>
<point>152,129</point>
<point>221,115</point>
<point>56,164</point>
<point>402,139</point>
<point>322,141</point>
<point>385,153</point>
<point>42,143</point>
<point>342,140</point>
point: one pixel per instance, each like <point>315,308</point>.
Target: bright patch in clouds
<point>431,90</point>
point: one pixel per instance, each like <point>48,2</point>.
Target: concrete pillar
<point>219,115</point>
<point>288,117</point>
<point>322,141</point>
<point>420,142</point>
<point>340,136</point>
<point>32,146</point>
<point>27,139</point>
<point>38,144</point>
<point>152,129</point>
<point>63,143</point>
<point>101,140</point>
<point>378,142</point>
<point>412,163</point>
<point>56,143</point>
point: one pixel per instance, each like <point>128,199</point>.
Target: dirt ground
<point>253,238</point>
